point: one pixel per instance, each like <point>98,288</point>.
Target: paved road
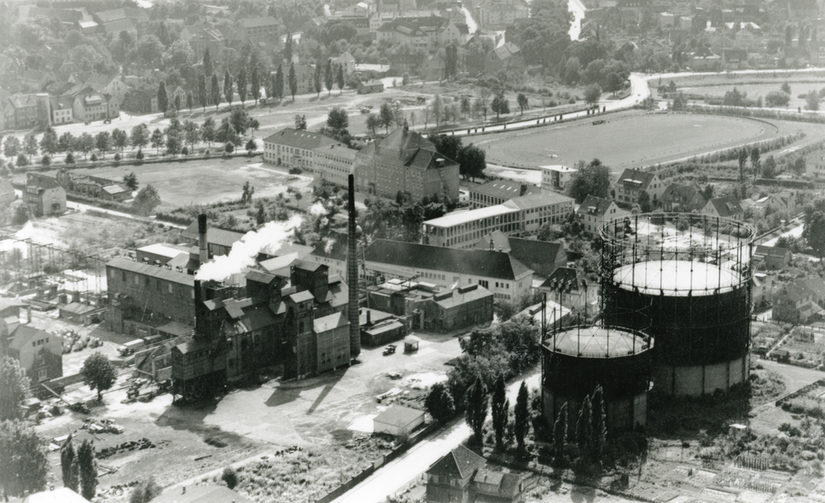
<point>397,474</point>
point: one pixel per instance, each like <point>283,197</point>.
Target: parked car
<point>390,349</point>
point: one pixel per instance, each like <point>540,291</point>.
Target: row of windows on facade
<point>147,281</point>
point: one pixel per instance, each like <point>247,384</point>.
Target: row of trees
<point>250,81</point>
<point>178,138</point>
<point>79,467</point>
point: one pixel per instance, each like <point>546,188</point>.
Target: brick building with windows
<point>325,157</point>
<point>147,294</point>
<point>407,164</point>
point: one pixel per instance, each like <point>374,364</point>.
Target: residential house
<point>449,478</point>
<point>499,14</point>
<point>39,353</point>
<point>523,215</point>
<point>505,58</point>
<point>141,100</point>
<point>799,301</point>
<point>25,111</point>
<point>464,476</point>
<point>345,60</point>
<point>734,59</point>
<point>321,155</point>
<point>112,88</point>
<point>114,21</point>
<point>61,110</point>
<point>543,257</point>
<point>203,37</point>
<point>556,177</point>
<point>259,29</point>
<point>405,163</point>
<point>43,195</point>
<point>498,272</point>
<point>682,198</point>
<point>424,33</point>
<point>498,191</point>
<point>724,207</point>
<point>595,211</point>
<point>633,182</point>
<point>89,105</point>
<point>772,257</point>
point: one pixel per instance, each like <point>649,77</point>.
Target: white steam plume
<point>317,209</point>
<point>329,245</point>
<point>242,255</point>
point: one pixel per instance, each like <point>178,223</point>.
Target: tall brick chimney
<point>352,273</point>
<point>203,246</point>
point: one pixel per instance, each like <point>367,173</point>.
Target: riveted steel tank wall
<point>699,314</point>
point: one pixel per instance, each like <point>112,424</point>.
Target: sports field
<point>206,181</point>
<point>627,139</point>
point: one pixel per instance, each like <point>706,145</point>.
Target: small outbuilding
<point>411,344</point>
<point>398,421</point>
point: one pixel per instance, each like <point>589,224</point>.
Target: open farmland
<point>207,181</point>
<point>625,140</point>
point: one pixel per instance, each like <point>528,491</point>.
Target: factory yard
<point>321,426</point>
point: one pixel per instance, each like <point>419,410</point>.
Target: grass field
<point>208,181</point>
<point>627,139</point>
<point>755,90</point>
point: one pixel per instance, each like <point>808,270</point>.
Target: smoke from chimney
<point>267,239</point>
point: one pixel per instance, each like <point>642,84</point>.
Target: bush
<point>69,158</point>
<point>229,477</point>
<point>93,157</point>
<point>139,155</point>
<point>117,157</point>
<point>22,160</point>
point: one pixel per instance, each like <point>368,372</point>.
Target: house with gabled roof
<point>632,182</point>
<point>449,478</point>
<point>505,58</point>
<point>594,211</point>
<point>682,198</point>
<point>799,301</point>
<point>723,207</point>
<point>464,476</point>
